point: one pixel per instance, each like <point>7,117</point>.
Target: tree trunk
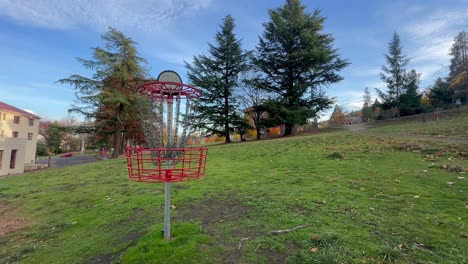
<point>226,129</point>
<point>258,133</point>
<point>122,143</point>
<point>242,136</point>
<point>226,123</point>
<point>117,142</point>
<point>287,129</point>
<point>226,111</point>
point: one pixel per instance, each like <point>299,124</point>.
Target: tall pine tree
<point>458,76</point>
<point>366,107</point>
<point>440,95</point>
<point>296,59</point>
<point>394,74</point>
<point>410,100</point>
<point>217,76</point>
<point>109,96</point>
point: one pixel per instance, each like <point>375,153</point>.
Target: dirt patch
<point>275,256</point>
<point>101,259</point>
<point>9,223</point>
<point>361,128</point>
<point>132,237</point>
<point>127,241</point>
<point>213,212</point>
<point>454,168</point>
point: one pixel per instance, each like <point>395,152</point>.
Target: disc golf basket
<point>165,159</point>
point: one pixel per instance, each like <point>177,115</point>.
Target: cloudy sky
<point>41,39</point>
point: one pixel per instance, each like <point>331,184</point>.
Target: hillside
<point>391,194</point>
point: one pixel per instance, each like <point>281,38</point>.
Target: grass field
<point>449,125</point>
<point>353,198</point>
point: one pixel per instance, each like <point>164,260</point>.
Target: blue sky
<point>40,40</point>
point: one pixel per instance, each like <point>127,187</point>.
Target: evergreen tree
<point>109,97</point>
<point>440,95</point>
<point>458,77</point>
<point>296,59</point>
<point>217,76</point>
<point>54,135</point>
<point>367,107</point>
<point>410,101</point>
<point>394,74</point>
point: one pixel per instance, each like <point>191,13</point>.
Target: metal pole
<point>82,144</point>
<point>167,204</point>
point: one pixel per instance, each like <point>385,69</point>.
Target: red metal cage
<point>166,164</point>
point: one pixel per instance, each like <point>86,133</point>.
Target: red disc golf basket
<point>165,107</point>
<point>166,165</point>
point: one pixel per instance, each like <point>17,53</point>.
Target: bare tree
<point>252,99</point>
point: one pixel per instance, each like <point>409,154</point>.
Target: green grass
<point>365,198</point>
<point>447,125</point>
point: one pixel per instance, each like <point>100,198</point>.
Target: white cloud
<point>365,71</point>
<point>146,15</point>
<point>29,111</point>
<point>429,71</point>
<point>355,105</point>
<point>429,36</point>
<point>375,84</point>
<point>351,94</point>
<point>436,23</point>
<point>433,49</point>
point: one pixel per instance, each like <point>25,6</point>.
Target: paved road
<point>70,161</point>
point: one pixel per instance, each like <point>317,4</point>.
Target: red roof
<point>13,109</point>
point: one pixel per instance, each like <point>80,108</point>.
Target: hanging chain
<point>151,113</point>
<point>175,143</point>
<point>185,123</point>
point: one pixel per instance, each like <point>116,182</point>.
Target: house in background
<point>265,132</point>
<point>18,139</point>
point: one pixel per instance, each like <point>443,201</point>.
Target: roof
<point>13,109</point>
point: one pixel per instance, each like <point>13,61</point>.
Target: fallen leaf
<point>173,207</point>
<point>315,237</point>
<point>314,250</point>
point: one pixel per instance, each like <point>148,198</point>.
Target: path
<point>70,161</point>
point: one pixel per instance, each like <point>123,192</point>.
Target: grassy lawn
<point>353,198</point>
<point>452,123</point>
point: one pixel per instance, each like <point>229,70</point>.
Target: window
<point>2,133</point>
<point>1,158</point>
<point>15,134</point>
<point>16,119</point>
<point>30,135</point>
<point>4,116</point>
<point>31,122</point>
<point>13,158</point>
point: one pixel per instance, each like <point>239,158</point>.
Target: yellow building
<point>18,139</point>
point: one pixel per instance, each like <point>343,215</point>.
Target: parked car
<point>68,154</point>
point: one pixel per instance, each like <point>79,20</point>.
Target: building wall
<point>6,147</point>
<point>25,143</point>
